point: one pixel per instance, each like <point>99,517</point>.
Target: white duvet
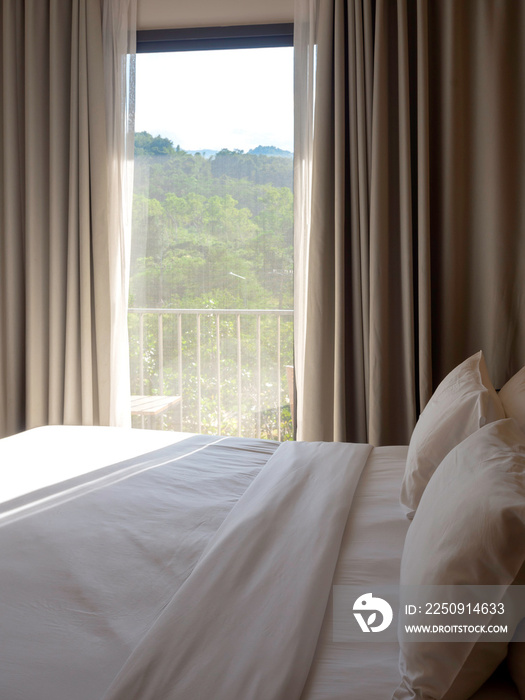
<point>245,623</point>
<point>201,571</point>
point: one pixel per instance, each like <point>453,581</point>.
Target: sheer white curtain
<point>304,91</point>
<point>119,45</point>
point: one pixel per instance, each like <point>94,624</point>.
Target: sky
<point>231,99</point>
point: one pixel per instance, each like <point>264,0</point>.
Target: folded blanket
<point>245,623</point>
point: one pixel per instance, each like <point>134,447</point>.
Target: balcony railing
<point>228,365</point>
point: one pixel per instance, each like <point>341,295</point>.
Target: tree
<point>146,144</point>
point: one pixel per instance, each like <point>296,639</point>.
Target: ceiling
<point>162,14</point>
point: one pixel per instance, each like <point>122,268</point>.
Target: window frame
<point>213,38</point>
<point>217,38</point>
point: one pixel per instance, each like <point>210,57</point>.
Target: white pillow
<point>469,529</point>
<point>463,402</point>
<point>512,396</point>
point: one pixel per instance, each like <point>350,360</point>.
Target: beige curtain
<point>413,252</point>
<point>60,277</point>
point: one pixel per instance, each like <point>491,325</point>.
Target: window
<point>211,288</point>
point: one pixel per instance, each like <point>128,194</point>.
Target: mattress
<point>83,605</point>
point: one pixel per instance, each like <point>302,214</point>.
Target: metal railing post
<point>239,377</point>
<point>258,378</point>
<point>160,341</point>
<point>141,366</point>
<point>218,341</point>
<point>279,431</point>
<point>141,352</point>
<point>179,329</point>
<point>199,395</point>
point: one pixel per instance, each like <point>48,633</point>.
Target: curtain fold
<point>60,274</point>
<point>119,33</point>
<point>304,81</point>
<point>412,256</point>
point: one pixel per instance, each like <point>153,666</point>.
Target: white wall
<point>161,14</point>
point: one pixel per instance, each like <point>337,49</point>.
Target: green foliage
<point>259,169</point>
<point>212,234</point>
<point>146,144</point>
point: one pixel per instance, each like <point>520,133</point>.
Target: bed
<point>143,565</point>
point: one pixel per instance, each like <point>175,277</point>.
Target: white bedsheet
<point>370,554</point>
<point>82,582</point>
<point>69,451</point>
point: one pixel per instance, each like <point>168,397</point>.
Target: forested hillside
<point>201,225</point>
<point>213,233</point>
